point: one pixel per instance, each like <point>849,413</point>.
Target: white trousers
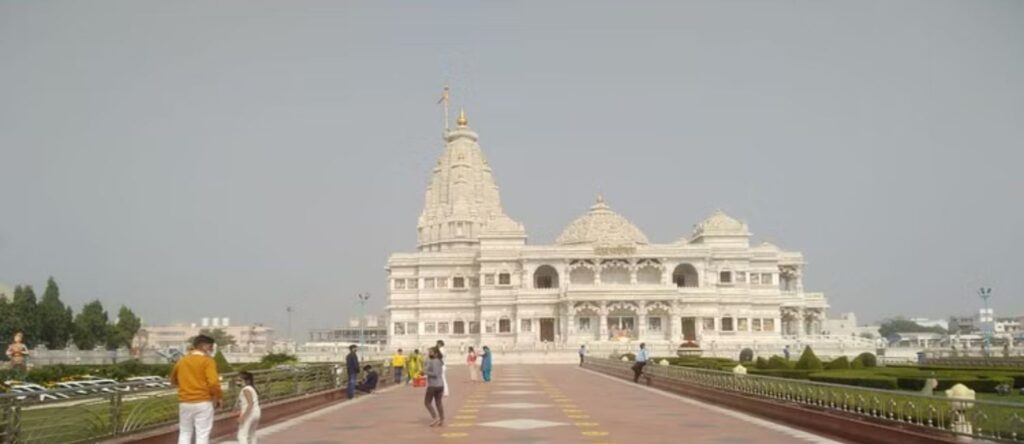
<point>195,417</point>
<point>247,429</point>
<point>444,378</point>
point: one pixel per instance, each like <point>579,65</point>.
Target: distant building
<point>253,338</point>
<point>963,324</point>
<point>1007,325</point>
<point>373,329</point>
<point>846,325</point>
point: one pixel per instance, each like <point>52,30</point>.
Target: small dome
<point>720,224</point>
<point>602,226</point>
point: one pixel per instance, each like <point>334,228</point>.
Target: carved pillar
<point>641,322</point>
<point>800,322</point>
<point>597,274</point>
<point>632,272</point>
<point>675,330</point>
<point>602,322</point>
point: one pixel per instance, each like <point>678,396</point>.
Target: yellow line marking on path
<point>460,424</point>
<point>465,417</point>
<point>576,416</point>
<point>586,424</point>
<point>454,435</point>
<point>594,433</point>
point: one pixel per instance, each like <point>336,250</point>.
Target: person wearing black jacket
<point>352,366</point>
<point>369,383</point>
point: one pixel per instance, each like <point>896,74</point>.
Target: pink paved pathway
<point>532,404</point>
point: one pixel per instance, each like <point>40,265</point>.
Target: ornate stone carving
<point>602,227</point>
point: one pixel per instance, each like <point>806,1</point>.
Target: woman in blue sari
<point>485,365</point>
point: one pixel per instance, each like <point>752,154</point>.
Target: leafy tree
<point>900,325</point>
<point>56,321</point>
<point>7,326</point>
<point>91,327</point>
<point>25,313</point>
<point>122,333</point>
<point>273,359</point>
<point>746,355</point>
<point>220,337</point>
<point>809,361</point>
<point>222,363</point>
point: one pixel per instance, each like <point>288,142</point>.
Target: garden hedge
<point>856,378</point>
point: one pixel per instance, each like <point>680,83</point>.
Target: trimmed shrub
<point>859,379</point>
<point>978,383</point>
<point>761,363</point>
<point>809,361</point>
<point>868,359</point>
<point>787,373</point>
<point>746,355</point>
<point>779,363</point>
<point>840,363</point>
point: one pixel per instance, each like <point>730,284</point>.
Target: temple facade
<point>474,279</point>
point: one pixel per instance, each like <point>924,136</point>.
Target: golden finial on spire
<point>462,121</point>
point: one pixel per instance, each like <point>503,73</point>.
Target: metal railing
<point>992,420</point>
<point>128,408</point>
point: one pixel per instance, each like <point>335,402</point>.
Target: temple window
<point>504,325</point>
<point>442,328</point>
<point>488,279</point>
<point>741,277</point>
<point>504,279</point>
<point>545,277</point>
<point>459,327</point>
<point>755,279</point>
<point>769,325</point>
<point>428,282</point>
<point>474,327</point>
<point>581,276</point>
<point>584,324</point>
<point>399,284</point>
<point>429,327</point>
<point>474,282</point>
<point>727,324</point>
<point>755,324</point>
<point>412,284</point>
<point>725,277</point>
<point>412,327</point>
<point>685,275</point>
<point>459,282</point>
<point>489,326</point>
<point>442,282</point>
<point>741,324</point>
<point>524,325</point>
<point>708,323</point>
<point>654,324</point>
<point>399,328</point>
<point>766,278</point>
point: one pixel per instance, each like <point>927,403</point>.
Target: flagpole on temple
<point>444,100</point>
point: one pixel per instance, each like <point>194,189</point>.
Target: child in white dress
<point>249,406</point>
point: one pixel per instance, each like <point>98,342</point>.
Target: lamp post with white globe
<point>362,298</point>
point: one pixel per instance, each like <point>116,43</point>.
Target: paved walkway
<point>532,404</point>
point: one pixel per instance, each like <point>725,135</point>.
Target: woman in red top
<point>472,365</point>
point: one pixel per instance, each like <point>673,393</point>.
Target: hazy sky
<point>231,158</point>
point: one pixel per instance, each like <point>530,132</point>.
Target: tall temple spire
<point>462,200</point>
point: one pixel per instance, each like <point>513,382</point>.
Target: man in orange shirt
<point>199,393</point>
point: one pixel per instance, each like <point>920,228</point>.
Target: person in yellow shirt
<point>413,365</point>
<point>398,365</point>
<point>199,392</point>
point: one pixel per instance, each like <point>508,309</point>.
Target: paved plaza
<point>533,404</point>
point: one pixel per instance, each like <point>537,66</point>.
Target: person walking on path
<point>413,365</point>
<point>485,365</point>
<point>199,392</point>
<point>471,364</point>
<point>435,387</point>
<point>444,369</point>
<point>641,361</point>
<point>398,365</point>
<point>785,352</point>
<point>583,352</point>
<point>352,367</point>
<point>249,409</point>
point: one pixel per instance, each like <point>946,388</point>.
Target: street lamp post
<point>988,321</point>
<point>362,297</point>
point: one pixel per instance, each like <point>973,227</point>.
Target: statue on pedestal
<point>17,351</point>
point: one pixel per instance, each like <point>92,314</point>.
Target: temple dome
<point>602,226</point>
<point>720,224</point>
